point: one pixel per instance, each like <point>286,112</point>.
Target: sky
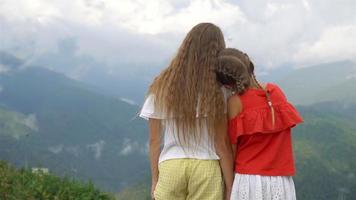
<point>147,33</point>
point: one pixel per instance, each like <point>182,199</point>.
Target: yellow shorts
<point>189,179</point>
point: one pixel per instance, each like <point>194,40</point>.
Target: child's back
<point>260,122</point>
<point>264,144</point>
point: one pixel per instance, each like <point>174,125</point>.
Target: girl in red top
<point>260,122</point>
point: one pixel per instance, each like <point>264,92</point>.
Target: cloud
<point>126,100</point>
<point>279,33</point>
<point>129,147</point>
<point>97,148</point>
<point>74,150</point>
<point>126,150</point>
<point>56,149</point>
<point>31,122</point>
<point>147,33</point>
<point>3,69</point>
<point>335,43</point>
<point>161,16</point>
<point>118,32</point>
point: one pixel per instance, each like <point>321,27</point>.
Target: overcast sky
<point>275,33</point>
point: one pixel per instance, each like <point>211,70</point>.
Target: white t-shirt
<point>171,148</point>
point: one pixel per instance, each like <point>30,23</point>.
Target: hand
<point>153,187</point>
<point>227,194</point>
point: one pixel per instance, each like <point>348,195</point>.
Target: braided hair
<point>268,96</point>
<point>233,72</point>
<point>244,58</point>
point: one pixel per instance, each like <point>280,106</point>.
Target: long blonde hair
<point>187,88</point>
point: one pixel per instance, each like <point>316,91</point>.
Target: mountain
<point>325,82</point>
<point>324,147</point>
<point>343,91</point>
<point>122,79</point>
<point>51,121</point>
<point>7,59</point>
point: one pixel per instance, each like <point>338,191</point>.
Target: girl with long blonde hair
<point>186,110</point>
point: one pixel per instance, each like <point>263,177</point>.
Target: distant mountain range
<point>325,82</point>
<point>325,143</point>
<point>75,129</point>
<point>51,121</point>
<point>324,146</point>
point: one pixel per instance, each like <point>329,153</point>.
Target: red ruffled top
<point>264,148</point>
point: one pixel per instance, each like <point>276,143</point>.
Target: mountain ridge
<point>314,84</point>
<point>73,122</point>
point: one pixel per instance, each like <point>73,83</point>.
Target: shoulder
<point>276,90</point>
<point>149,101</point>
<point>149,110</point>
<point>272,86</point>
<point>234,106</point>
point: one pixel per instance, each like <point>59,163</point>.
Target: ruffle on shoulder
<point>259,120</point>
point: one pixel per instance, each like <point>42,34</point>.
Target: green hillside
<point>324,82</point>
<point>23,184</point>
<point>48,120</point>
<point>324,145</point>
<point>74,131</point>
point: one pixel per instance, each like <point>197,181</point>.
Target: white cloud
<point>306,5</point>
<point>56,149</point>
<point>111,30</point>
<point>180,21</point>
<point>31,122</point>
<point>74,150</point>
<point>129,101</point>
<point>149,16</point>
<point>335,43</point>
<point>273,8</point>
<point>273,32</point>
<point>97,148</point>
<point>292,32</point>
<point>3,69</point>
<point>126,150</point>
<point>128,147</point>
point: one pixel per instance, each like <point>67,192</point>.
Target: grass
<point>23,184</point>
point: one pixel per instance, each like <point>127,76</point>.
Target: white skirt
<point>256,187</point>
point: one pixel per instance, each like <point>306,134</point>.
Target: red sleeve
<point>279,92</point>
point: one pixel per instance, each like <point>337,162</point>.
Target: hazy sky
<point>274,33</point>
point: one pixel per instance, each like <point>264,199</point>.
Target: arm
<point>233,147</point>
<point>234,107</point>
<point>223,149</point>
<point>154,149</point>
